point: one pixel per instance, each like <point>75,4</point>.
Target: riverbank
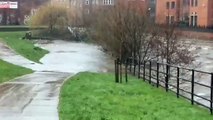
<point>25,48</point>
<point>97,96</point>
<point>9,71</point>
<point>41,99</point>
<point>198,35</point>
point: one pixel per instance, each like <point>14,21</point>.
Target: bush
<point>56,18</point>
<point>77,34</point>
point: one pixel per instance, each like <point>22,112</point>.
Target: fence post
<point>116,71</point>
<point>211,97</point>
<point>144,70</point>
<point>178,81</point>
<point>139,68</point>
<point>120,70</point>
<point>130,65</point>
<point>167,78</point>
<point>150,72</point>
<point>126,66</point>
<point>192,87</point>
<point>134,67</point>
<point>157,74</point>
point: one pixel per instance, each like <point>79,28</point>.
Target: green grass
<point>24,47</point>
<point>91,96</point>
<point>9,71</point>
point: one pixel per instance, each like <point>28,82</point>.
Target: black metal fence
<point>196,29</point>
<point>194,85</point>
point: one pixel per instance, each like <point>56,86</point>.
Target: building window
<point>107,2</point>
<point>195,24</point>
<point>194,3</point>
<point>87,2</point>
<point>194,20</point>
<point>173,5</point>
<point>185,2</point>
<point>167,19</point>
<point>110,2</point>
<point>167,5</point>
<point>172,20</point>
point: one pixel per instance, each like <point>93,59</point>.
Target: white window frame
<point>108,2</point>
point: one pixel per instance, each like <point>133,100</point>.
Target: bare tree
<point>52,16</point>
<point>126,31</point>
<point>171,48</point>
<point>59,19</point>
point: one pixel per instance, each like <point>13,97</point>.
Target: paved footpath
<point>31,97</point>
<point>36,96</point>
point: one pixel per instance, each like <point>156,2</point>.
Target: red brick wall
<point>142,5</point>
<point>162,11</point>
<point>202,12</point>
<point>210,14</point>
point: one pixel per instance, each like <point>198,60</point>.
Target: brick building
<point>201,13</point>
<point>28,7</point>
<point>92,6</point>
<point>19,15</point>
<point>89,6</point>
<point>169,11</point>
<point>191,12</point>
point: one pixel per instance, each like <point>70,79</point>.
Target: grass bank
<point>91,96</point>
<point>24,47</point>
<point>9,71</point>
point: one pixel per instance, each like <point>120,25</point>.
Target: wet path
<point>32,97</point>
<point>35,96</point>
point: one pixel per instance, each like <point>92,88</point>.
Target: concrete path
<point>11,56</point>
<point>31,97</point>
<point>35,96</point>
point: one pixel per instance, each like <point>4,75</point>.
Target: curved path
<point>35,96</point>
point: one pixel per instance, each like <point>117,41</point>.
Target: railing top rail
<point>176,66</point>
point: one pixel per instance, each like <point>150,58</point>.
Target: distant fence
<point>196,29</point>
<point>13,28</point>
<point>9,28</point>
<point>194,85</point>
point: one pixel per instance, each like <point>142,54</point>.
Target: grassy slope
<point>9,71</point>
<point>23,47</point>
<point>90,96</point>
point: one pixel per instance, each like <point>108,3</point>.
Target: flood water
<point>36,96</point>
<point>203,50</point>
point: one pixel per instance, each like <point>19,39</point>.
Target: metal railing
<point>194,85</point>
